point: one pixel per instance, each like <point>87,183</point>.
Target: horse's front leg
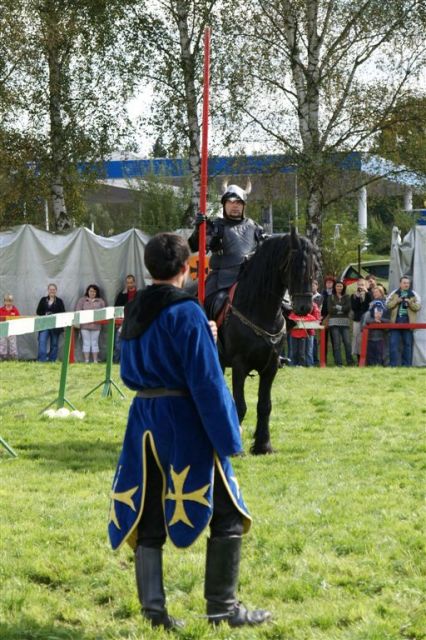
<point>239,375</point>
<point>262,441</point>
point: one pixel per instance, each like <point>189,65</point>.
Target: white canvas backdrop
<point>408,257</point>
<point>30,259</point>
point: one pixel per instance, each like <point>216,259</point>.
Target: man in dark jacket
<point>121,300</point>
<point>231,239</point>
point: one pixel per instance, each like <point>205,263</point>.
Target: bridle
<point>273,338</point>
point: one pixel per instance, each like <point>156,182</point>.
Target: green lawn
<point>337,548</point>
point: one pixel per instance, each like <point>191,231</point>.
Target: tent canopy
<point>408,257</point>
<point>30,259</point>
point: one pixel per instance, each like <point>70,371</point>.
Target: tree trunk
<point>62,219</point>
<point>61,216</point>
<point>187,60</point>
<point>314,210</point>
<point>306,80</point>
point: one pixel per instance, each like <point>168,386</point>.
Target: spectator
<point>300,338</point>
<point>90,331</point>
<point>317,298</point>
<point>371,283</point>
<point>377,313</point>
<point>125,296</point>
<point>360,301</point>
<point>8,345</point>
<point>326,293</point>
<point>339,307</point>
<point>47,306</point>
<point>382,289</point>
<point>403,304</point>
<point>312,343</point>
<point>286,309</point>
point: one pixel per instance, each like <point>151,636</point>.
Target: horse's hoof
<point>261,450</point>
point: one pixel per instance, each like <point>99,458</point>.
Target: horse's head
<point>304,265</point>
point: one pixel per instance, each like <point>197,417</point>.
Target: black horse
<point>252,335</point>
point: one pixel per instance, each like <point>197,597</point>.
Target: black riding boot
<point>222,570</point>
<point>149,581</point>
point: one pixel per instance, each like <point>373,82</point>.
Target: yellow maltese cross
<point>126,498</point>
<point>178,495</point>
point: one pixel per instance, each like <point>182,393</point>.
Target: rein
<point>273,338</point>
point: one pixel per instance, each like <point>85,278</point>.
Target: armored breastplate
<point>238,241</point>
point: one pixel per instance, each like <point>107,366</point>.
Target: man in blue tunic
<point>174,476</point>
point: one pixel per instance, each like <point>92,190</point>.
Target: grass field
<point>337,548</point>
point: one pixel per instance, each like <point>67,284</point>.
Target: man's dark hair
<point>165,255</point>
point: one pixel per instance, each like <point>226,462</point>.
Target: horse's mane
<point>262,274</point>
<point>276,266</point>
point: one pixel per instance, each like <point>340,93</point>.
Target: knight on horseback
<point>232,239</point>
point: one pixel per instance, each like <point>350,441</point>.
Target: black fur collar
<point>147,304</point>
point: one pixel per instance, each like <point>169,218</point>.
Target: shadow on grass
<point>28,629</point>
<point>28,401</point>
<point>74,455</point>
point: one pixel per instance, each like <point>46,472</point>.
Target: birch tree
<point>320,77</point>
<point>70,96</point>
<point>175,31</point>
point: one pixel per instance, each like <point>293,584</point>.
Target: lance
<point>204,167</point>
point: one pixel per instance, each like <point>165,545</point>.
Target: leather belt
<point>161,392</point>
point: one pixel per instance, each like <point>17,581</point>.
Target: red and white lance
<point>204,168</point>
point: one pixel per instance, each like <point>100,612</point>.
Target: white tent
<point>408,257</point>
<point>30,259</point>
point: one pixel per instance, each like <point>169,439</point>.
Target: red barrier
<point>383,325</point>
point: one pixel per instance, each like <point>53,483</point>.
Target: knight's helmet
<point>233,192</point>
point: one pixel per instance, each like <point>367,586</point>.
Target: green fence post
<point>8,448</point>
<point>108,382</point>
<point>61,399</point>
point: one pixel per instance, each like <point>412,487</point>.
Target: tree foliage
<point>174,66</point>
<point>403,137</point>
<point>64,90</point>
<point>315,79</point>
<point>320,77</point>
<point>340,240</point>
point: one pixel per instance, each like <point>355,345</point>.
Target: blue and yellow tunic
<point>188,435</point>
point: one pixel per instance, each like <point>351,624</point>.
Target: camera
<point>359,289</point>
<point>404,304</point>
